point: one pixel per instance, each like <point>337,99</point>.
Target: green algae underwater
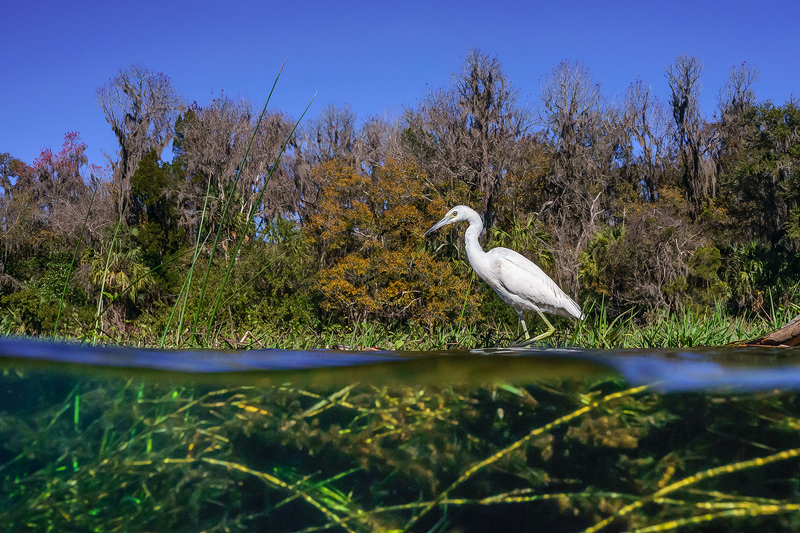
<point>119,439</point>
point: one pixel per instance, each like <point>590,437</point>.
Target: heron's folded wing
<point>526,280</point>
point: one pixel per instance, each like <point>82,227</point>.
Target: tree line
<point>640,202</point>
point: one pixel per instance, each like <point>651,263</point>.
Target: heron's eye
<point>454,214</point>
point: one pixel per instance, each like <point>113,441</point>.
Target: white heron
<point>515,278</point>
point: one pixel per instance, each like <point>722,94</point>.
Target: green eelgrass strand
<point>251,214</point>
<point>72,263</point>
<point>76,419</point>
<point>230,197</point>
<point>519,443</point>
<point>694,478</point>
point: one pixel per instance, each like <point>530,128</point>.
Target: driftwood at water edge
<point>788,335</point>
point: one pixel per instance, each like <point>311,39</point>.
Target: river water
<point>123,439</point>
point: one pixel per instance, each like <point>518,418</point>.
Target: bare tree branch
<point>141,106</point>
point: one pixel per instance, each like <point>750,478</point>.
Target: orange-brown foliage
<point>375,265</point>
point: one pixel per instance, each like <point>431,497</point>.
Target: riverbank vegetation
<point>207,224</point>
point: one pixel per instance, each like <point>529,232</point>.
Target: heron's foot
<point>544,335</point>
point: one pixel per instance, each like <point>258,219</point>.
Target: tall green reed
<point>230,197</point>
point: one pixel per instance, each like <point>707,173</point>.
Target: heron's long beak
<point>445,221</point>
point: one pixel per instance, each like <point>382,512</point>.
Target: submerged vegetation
<point>80,454</point>
<point>671,230</point>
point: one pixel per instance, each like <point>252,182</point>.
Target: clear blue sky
<point>375,55</point>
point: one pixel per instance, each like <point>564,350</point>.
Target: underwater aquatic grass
<point>361,458</point>
<point>471,471</point>
<point>745,508</point>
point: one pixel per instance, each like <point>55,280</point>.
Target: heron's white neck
<point>475,253</point>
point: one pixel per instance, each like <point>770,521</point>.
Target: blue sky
<point>374,55</point>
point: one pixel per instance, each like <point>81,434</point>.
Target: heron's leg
<point>524,326</point>
<point>550,330</point>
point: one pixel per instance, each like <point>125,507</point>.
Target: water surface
<point>666,370</point>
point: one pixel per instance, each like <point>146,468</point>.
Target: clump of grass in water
<point>670,329</point>
<point>284,458</point>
